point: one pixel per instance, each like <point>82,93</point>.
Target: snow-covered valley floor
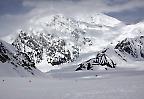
<point>122,84</point>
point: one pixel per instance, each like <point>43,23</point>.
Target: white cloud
<point>87,6</point>
<point>68,7</point>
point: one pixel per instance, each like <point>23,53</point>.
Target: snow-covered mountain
<point>127,50</point>
<point>57,40</point>
<point>13,63</point>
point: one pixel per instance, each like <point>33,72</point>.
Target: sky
<point>16,14</point>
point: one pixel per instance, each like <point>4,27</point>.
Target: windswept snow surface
<point>9,70</point>
<point>120,84</point>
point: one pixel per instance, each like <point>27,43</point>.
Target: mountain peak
<point>99,19</point>
<point>59,39</point>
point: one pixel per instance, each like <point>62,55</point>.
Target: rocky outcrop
<point>101,59</point>
<point>38,46</point>
<point>132,46</point>
<point>3,53</point>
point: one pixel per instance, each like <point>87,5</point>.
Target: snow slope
<point>129,31</point>
<point>9,70</point>
<point>12,65</point>
<point>110,85</point>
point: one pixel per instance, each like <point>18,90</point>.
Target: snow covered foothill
<point>9,70</point>
<point>12,65</point>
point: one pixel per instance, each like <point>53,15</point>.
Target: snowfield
<point>111,84</point>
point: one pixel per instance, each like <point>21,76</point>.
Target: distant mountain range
<point>57,40</point>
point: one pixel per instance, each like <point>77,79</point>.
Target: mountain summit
<point>57,40</point>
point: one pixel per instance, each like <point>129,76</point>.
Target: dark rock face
<point>3,53</point>
<point>132,46</point>
<point>88,65</point>
<point>127,46</point>
<point>101,59</point>
<point>54,49</point>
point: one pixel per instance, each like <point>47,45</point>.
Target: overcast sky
<point>15,14</point>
